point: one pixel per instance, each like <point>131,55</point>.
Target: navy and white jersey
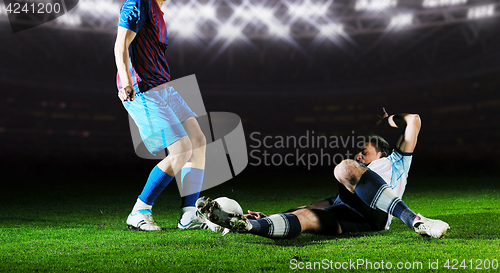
<point>394,170</point>
<point>147,62</point>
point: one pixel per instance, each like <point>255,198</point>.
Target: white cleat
<point>226,231</point>
<point>142,220</point>
<point>429,227</point>
<point>233,221</point>
<point>192,220</point>
<point>214,227</point>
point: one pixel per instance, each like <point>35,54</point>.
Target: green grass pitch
<point>78,224</point>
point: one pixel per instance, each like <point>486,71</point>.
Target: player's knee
<point>348,172</point>
<point>342,170</point>
<point>198,141</point>
<point>179,160</point>
<point>185,150</point>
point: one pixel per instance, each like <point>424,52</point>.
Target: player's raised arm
<point>410,123</point>
<point>123,39</point>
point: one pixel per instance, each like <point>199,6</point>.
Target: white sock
<point>139,205</point>
<point>186,209</point>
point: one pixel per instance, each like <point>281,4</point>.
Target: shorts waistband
<point>159,87</point>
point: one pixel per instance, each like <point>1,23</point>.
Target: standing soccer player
<point>161,114</point>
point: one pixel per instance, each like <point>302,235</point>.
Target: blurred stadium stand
<point>74,131</point>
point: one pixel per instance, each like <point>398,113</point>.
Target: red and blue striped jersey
<point>147,61</point>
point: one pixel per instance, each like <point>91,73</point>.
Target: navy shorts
<point>356,216</point>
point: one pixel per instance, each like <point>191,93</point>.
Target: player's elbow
<point>413,120</point>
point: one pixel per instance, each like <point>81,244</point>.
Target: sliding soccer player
<point>161,114</point>
<point>370,192</point>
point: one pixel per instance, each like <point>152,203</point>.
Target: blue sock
<point>157,181</point>
<point>277,226</point>
<point>373,191</point>
<point>191,180</point>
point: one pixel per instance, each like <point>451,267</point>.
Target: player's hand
<point>254,215</point>
<point>381,117</point>
<point>126,93</point>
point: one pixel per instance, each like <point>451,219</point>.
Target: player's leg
<point>192,177</point>
<point>318,221</point>
<point>314,205</point>
<point>198,142</point>
<point>291,225</point>
<point>161,175</point>
<point>276,226</point>
<point>320,203</point>
<point>193,171</point>
<point>179,153</point>
<point>354,215</point>
<point>159,129</point>
<point>373,191</point>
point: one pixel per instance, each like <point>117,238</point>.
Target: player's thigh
<point>350,220</point>
<point>317,221</point>
<point>181,146</point>
<point>320,203</point>
<point>353,206</point>
<point>158,125</point>
<point>178,105</point>
<point>194,132</point>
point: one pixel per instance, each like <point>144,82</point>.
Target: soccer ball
<point>229,205</point>
<point>225,204</point>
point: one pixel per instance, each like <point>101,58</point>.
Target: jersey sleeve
<point>401,162</point>
<point>133,14</point>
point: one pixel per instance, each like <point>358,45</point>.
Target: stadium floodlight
<point>187,13</point>
<point>442,3</point>
<point>266,17</point>
<point>263,14</point>
<point>253,14</point>
<point>373,5</point>
<point>307,10</point>
<point>229,31</point>
<point>330,30</point>
<point>69,20</point>
<point>183,20</point>
<point>207,11</point>
<point>279,30</point>
<point>217,20</point>
<point>101,7</point>
<point>481,12</point>
<point>183,28</point>
<point>401,20</point>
